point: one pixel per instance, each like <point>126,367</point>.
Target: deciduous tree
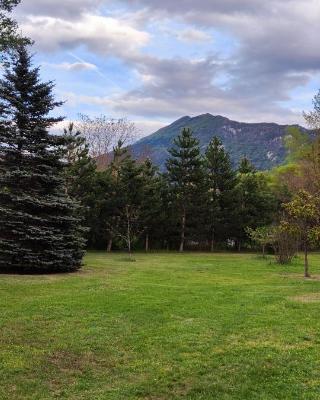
<point>303,218</point>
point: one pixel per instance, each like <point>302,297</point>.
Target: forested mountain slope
<point>262,143</point>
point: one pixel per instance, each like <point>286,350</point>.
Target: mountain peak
<point>262,143</point>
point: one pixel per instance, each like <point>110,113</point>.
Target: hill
<point>262,143</point>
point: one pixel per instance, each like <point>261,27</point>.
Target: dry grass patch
<point>313,277</point>
<point>307,298</point>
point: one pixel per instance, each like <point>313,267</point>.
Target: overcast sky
<point>154,61</point>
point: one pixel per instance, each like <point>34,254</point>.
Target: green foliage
<point>81,167</point>
<point>297,143</point>
<point>303,219</point>
<point>304,216</point>
<point>185,177</point>
<point>221,182</point>
<point>263,235</point>
<point>10,39</point>
<point>153,214</point>
<point>128,211</point>
<point>40,228</point>
<point>256,204</point>
<point>246,166</point>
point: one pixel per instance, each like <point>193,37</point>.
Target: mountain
<point>262,143</point>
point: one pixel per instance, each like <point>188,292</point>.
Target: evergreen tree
<point>81,174</point>
<point>81,168</point>
<point>245,166</point>
<point>113,192</point>
<point>151,201</point>
<point>221,182</point>
<point>39,227</point>
<point>256,202</point>
<point>9,36</point>
<point>185,177</point>
<point>127,219</point>
<point>101,210</point>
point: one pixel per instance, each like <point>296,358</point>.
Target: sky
<point>155,61</point>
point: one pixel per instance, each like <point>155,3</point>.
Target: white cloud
<point>274,48</point>
<point>193,35</point>
<point>146,127</point>
<point>104,35</point>
<point>76,66</point>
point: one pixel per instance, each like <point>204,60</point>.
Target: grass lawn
<point>168,326</point>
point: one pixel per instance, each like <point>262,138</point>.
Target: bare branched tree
<point>103,133</point>
<point>313,117</point>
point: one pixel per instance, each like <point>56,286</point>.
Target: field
<point>168,326</point>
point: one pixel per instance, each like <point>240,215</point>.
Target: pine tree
<point>221,182</point>
<point>9,35</point>
<point>39,225</point>
<point>81,168</point>
<point>256,202</point>
<point>126,222</point>
<point>185,177</point>
<point>151,201</point>
<point>113,193</point>
<point>245,166</point>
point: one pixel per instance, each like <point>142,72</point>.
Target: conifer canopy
<point>40,230</point>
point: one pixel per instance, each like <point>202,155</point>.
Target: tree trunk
<point>128,231</point>
<point>239,245</point>
<point>212,241</point>
<point>109,245</point>
<point>129,248</point>
<point>263,250</point>
<point>183,232</point>
<point>306,262</point>
<point>147,242</point>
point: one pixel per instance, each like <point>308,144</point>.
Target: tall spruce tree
<point>40,229</point>
<point>185,177</point>
<point>221,182</point>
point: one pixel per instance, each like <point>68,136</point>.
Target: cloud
<point>76,66</point>
<point>274,51</point>
<point>70,9</point>
<point>193,35</point>
<point>187,7</point>
<point>172,90</point>
<point>103,35</point>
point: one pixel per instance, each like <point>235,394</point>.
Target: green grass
<point>168,326</point>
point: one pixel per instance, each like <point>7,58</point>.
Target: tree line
<point>57,198</point>
<point>199,202</point>
<point>54,197</point>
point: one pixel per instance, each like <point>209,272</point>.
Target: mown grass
<point>168,326</point>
